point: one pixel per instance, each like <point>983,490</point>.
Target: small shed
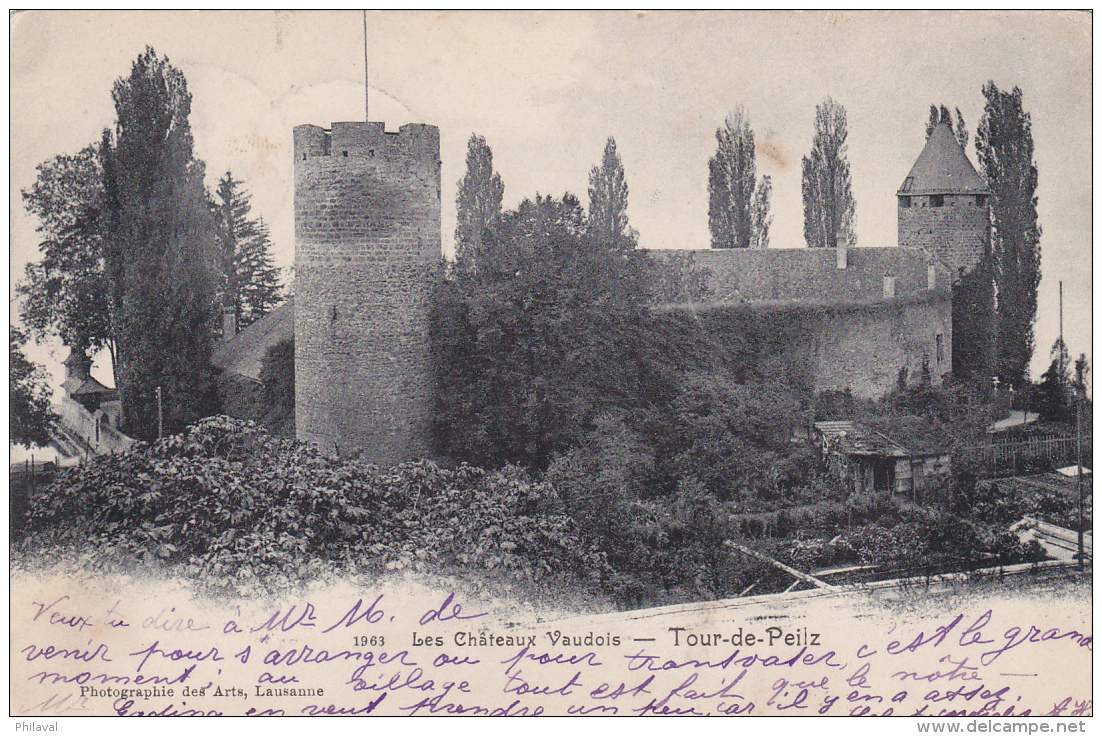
<point>897,455</point>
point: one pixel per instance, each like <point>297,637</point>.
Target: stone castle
<point>367,253</point>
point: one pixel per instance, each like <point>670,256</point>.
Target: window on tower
<point>980,200</point>
<point>937,200</point>
<point>905,201</point>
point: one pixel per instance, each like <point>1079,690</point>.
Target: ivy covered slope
<point>230,505</point>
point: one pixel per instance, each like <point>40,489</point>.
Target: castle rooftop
<point>244,353</point>
<point>943,168</point>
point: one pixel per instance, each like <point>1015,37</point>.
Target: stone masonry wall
<point>955,233</point>
<point>863,349</point>
<point>367,254</point>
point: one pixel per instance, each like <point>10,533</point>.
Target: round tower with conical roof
<point>944,205</point>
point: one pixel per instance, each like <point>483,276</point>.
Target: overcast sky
<point>546,89</point>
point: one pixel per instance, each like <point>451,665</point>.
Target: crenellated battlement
<point>367,140</point>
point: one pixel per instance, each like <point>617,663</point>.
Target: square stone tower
<point>367,255</point>
<point>944,209</point>
<point>944,205</point>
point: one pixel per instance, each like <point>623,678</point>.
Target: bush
<point>226,502</point>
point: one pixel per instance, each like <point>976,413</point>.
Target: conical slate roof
<point>943,168</point>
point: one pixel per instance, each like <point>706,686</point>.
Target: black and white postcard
<point>551,363</point>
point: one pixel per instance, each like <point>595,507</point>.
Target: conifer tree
<point>249,279</point>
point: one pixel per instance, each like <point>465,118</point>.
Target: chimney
<point>842,253</point>
<point>229,323</point>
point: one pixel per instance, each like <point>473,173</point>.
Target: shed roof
<point>905,436</point>
<point>244,353</point>
<point>943,168</point>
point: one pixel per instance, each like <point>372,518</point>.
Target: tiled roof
<point>245,352</point>
<point>810,276</point>
<point>943,168</point>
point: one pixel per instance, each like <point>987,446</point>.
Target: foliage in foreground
<point>225,502</point>
<point>237,509</point>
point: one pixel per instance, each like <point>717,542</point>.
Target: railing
<point>1018,455</point>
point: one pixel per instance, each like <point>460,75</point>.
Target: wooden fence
<point>1015,455</point>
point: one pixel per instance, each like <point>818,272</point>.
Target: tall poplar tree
<point>828,198</point>
<point>1004,147</point>
<point>160,250</point>
<point>608,201</point>
<point>941,115</point>
<point>738,206</point>
<point>478,203</point>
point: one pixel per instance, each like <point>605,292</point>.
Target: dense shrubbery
<point>225,502</point>
<point>233,507</point>
<point>230,505</point>
<point>916,539</point>
<point>989,503</point>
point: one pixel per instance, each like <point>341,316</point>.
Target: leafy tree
<point>478,204</point>
<point>250,280</point>
<point>729,434</point>
<point>828,199</point>
<point>1004,146</point>
<point>738,207</point>
<point>1060,357</point>
<point>960,130</point>
<point>66,291</point>
<point>537,342</point>
<point>30,417</point>
<point>160,250</point>
<point>973,324</point>
<point>608,201</point>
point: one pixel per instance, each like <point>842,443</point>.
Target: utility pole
<point>160,416</point>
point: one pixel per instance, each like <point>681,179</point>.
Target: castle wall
<point>367,254</point>
<point>863,349</point>
<point>955,233</point>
